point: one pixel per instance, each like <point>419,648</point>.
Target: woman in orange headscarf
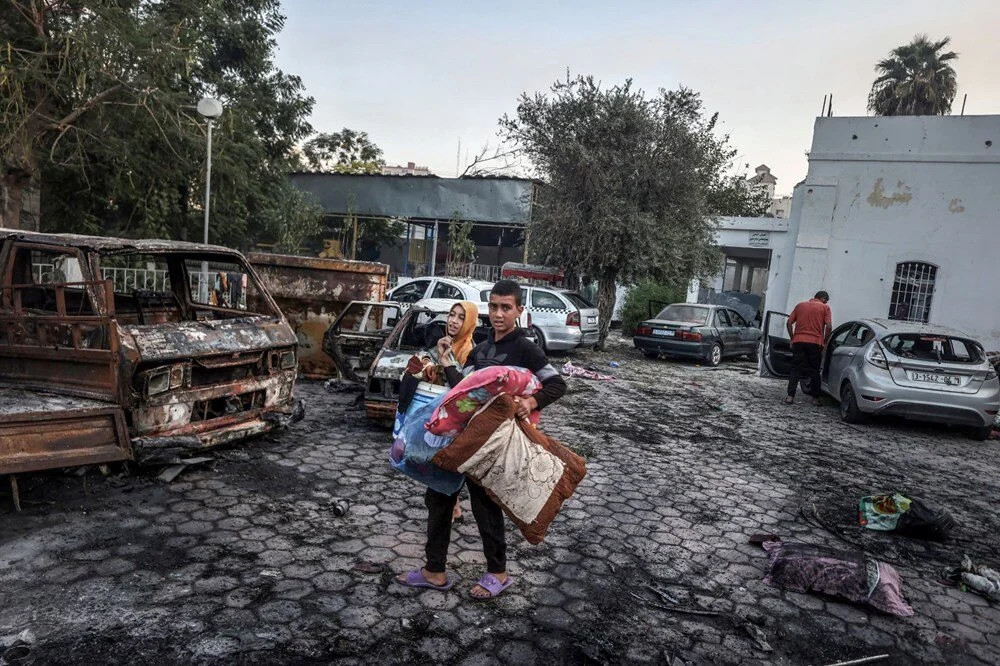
<point>457,342</point>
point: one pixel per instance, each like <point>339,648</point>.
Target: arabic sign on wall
<point>759,239</point>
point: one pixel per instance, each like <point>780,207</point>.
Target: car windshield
<point>215,286</point>
<point>689,314</point>
<point>578,300</point>
<point>939,348</point>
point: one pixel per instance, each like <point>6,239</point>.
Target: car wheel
<point>849,410</point>
<point>714,357</point>
<point>539,338</point>
<point>980,433</point>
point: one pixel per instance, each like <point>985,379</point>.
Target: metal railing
<point>483,272</point>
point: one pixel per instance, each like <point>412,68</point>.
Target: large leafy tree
<point>633,183</point>
<point>99,110</point>
<point>346,151</point>
<point>917,79</point>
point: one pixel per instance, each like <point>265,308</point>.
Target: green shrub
<point>636,307</point>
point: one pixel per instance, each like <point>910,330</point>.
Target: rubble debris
<point>570,370</point>
<point>977,578</point>
<point>614,364</point>
<point>175,470</point>
<point>910,516</point>
<point>16,649</point>
<point>337,385</point>
<point>761,539</point>
<point>369,567</point>
<point>851,575</point>
<point>757,635</point>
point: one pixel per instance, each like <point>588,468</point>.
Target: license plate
<point>934,378</point>
<point>660,331</point>
<point>591,320</point>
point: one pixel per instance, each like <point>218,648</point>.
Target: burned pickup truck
<point>111,348</point>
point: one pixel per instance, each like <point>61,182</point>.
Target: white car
<point>440,293</point>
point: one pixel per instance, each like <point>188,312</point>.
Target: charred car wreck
<point>112,349</point>
<point>372,342</point>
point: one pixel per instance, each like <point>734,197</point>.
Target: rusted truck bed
<point>44,430</point>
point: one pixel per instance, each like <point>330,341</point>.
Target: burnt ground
<point>246,562</point>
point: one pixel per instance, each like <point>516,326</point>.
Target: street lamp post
<point>210,108</point>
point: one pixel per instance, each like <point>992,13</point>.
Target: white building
<point>411,169</point>
<point>898,217</point>
<point>763,179</point>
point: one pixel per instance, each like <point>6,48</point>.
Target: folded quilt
<point>527,473</point>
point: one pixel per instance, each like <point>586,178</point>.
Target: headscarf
<point>461,344</point>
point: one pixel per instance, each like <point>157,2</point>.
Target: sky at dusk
<point>420,76</point>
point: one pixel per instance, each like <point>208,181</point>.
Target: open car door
<point>358,334</point>
<point>776,354</point>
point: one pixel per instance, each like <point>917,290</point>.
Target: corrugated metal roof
<point>503,200</point>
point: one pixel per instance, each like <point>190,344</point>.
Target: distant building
<point>764,180</point>
<point>781,206</point>
<point>410,169</point>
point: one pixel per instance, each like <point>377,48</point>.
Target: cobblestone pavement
<point>247,563</point>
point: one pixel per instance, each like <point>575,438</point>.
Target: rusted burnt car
<point>161,345</point>
<point>312,292</point>
<point>372,342</point>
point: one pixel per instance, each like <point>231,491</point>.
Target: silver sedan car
<point>917,371</point>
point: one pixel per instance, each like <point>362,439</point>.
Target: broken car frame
<point>118,349</point>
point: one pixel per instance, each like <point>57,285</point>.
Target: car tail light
<point>689,336</point>
<point>991,374</point>
<point>643,330</point>
<point>573,318</point>
<point>876,357</point>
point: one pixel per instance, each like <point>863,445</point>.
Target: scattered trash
<point>614,364</point>
<point>851,575</point>
<point>863,660</point>
<point>270,573</point>
<point>758,636</point>
<point>340,506</point>
<point>905,515</point>
<point>570,370</point>
<point>173,471</point>
<point>337,385</point>
<point>369,567</point>
<point>978,578</point>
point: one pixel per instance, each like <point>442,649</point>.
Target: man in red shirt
<point>808,326</point>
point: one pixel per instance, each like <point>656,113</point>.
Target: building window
<point>912,291</point>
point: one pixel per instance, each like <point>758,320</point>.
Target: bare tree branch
<point>483,157</point>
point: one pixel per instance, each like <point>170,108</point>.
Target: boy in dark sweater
<point>507,345</point>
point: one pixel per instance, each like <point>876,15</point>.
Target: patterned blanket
<point>527,473</point>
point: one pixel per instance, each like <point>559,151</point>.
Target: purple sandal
<point>492,584</point>
<point>416,578</point>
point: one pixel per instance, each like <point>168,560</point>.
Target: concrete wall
<point>885,190</point>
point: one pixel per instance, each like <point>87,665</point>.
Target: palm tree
<point>915,80</point>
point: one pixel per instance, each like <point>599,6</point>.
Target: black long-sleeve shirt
<point>514,349</point>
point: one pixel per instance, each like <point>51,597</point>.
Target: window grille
<point>912,291</point>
